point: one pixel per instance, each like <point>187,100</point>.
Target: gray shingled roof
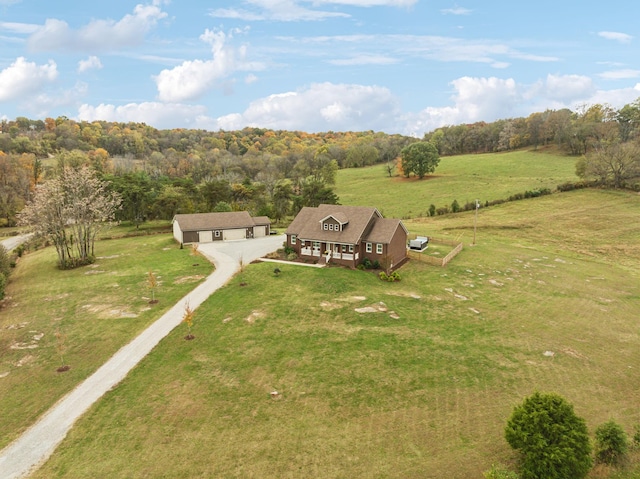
<point>306,225</point>
<point>226,220</point>
<point>383,230</point>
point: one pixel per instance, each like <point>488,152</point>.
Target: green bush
<point>553,440</point>
<point>611,443</point>
<point>292,256</point>
<point>499,472</point>
<point>395,276</point>
<point>5,262</point>
<point>3,284</point>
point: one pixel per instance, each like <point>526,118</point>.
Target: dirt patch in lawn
<point>188,279</point>
<point>107,311</point>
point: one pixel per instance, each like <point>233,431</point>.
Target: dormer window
<point>325,226</point>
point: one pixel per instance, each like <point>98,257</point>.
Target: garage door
<point>205,236</point>
<point>234,234</point>
<point>259,231</point>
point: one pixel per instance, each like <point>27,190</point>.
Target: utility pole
<point>475,222</point>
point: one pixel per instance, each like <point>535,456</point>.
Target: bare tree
<point>611,164</point>
<point>70,211</point>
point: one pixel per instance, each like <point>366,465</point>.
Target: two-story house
<point>346,235</point>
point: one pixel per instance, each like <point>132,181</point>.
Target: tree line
<point>163,172</point>
<point>274,172</point>
<point>574,132</point>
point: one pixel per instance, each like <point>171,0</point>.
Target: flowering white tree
<point>70,211</point>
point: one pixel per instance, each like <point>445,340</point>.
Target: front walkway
<point>38,442</point>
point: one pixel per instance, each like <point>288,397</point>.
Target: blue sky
<point>399,66</point>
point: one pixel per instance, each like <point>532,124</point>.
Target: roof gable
<point>356,221</point>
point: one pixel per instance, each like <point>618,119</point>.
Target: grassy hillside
<point>464,178</point>
<point>98,308</point>
<point>548,299</point>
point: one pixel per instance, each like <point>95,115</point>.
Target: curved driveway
<point>38,442</point>
<point>14,241</point>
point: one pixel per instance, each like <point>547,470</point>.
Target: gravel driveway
<point>36,444</point>
<point>14,241</point>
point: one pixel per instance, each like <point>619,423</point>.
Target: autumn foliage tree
<point>187,318</point>
<point>70,211</point>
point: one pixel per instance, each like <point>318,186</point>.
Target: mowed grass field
<point>464,178</point>
<point>548,300</point>
<point>99,309</point>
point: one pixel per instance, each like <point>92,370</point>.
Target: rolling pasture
<point>333,373</point>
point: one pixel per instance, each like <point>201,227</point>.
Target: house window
<point>316,245</point>
<point>344,248</point>
<point>293,239</point>
<point>379,248</point>
<point>217,233</point>
<point>350,248</point>
<point>369,248</point>
<point>331,227</point>
<point>325,226</point>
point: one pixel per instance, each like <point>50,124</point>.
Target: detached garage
<point>208,227</point>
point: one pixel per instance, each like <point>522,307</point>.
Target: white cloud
<point>620,74</point>
<point>320,107</point>
<point>250,78</point>
<point>617,36</point>
<point>160,115</point>
<point>278,10</point>
<point>456,11</point>
<point>101,35</point>
<point>369,3</point>
<point>23,78</point>
<point>365,60</point>
<point>41,104</point>
<point>564,88</point>
<point>491,99</point>
<point>438,48</point>
<point>93,62</point>
<point>194,78</point>
<point>349,107</point>
<point>20,28</point>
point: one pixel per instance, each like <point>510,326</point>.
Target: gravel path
<point>31,449</point>
<point>14,241</point>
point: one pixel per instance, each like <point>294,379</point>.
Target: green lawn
<point>547,299</point>
<point>98,308</point>
<point>463,178</point>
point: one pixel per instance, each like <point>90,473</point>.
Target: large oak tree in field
<point>70,211</point>
<point>419,158</point>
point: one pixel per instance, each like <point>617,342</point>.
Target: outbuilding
<point>208,227</point>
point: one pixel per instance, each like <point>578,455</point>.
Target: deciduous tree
<point>611,164</point>
<point>70,211</point>
<point>419,158</point>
